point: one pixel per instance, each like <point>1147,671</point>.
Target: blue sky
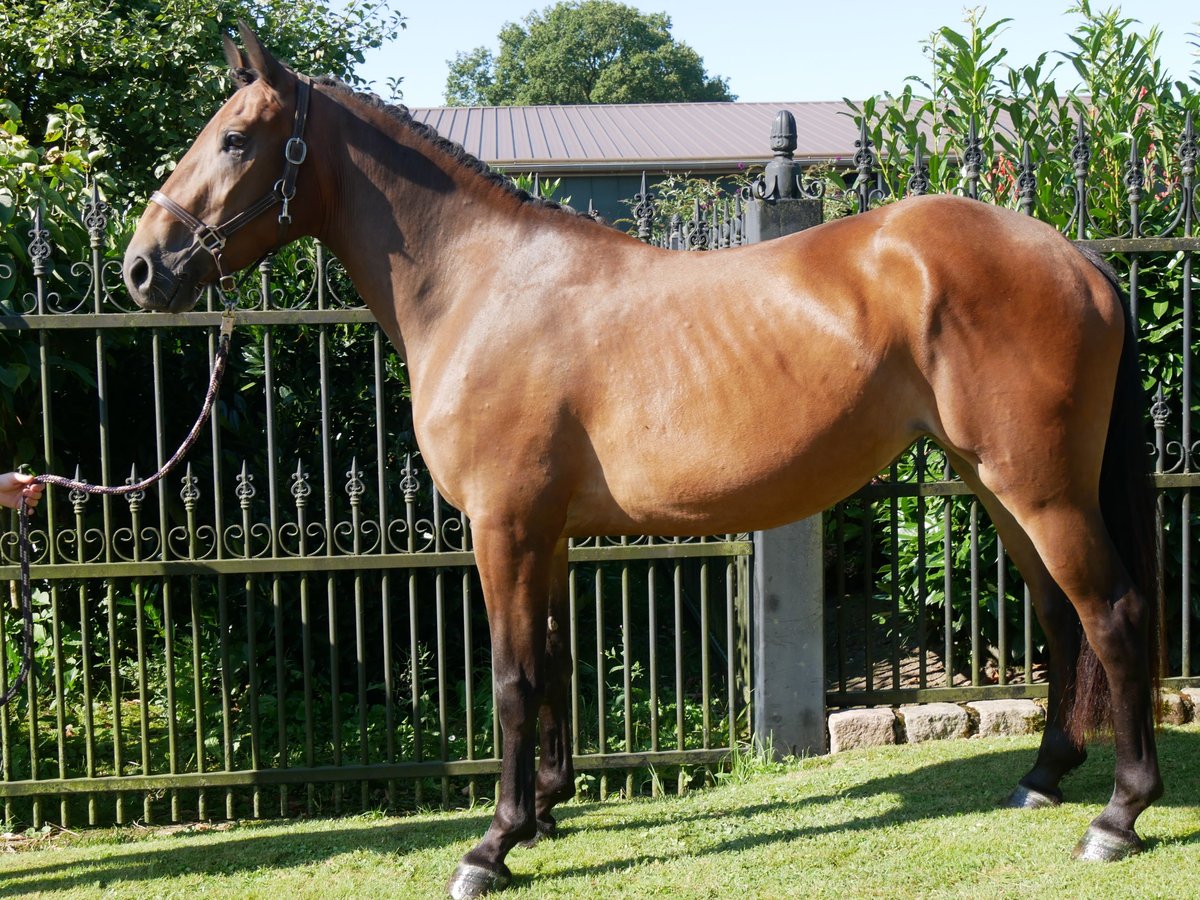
<point>773,50</point>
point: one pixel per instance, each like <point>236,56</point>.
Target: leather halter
<point>212,238</point>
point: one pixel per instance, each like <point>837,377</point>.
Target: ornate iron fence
<point>289,629</point>
<point>294,624</point>
<point>920,535</point>
<point>922,601</point>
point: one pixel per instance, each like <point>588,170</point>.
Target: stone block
<point>1007,717</point>
<point>934,722</point>
<point>1191,698</point>
<point>854,728</point>
<point>1174,709</point>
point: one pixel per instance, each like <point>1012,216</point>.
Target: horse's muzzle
<point>153,286</point>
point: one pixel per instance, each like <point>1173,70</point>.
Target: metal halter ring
<point>211,240</point>
<point>286,192</point>
<point>292,154</point>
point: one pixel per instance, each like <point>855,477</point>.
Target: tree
<point>147,73</point>
<point>584,51</point>
<point>112,94</point>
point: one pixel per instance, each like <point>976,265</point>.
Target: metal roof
<point>623,137</point>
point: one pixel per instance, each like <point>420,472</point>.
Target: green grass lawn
<point>903,821</point>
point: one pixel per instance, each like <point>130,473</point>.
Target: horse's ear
<point>261,61</point>
<point>233,55</point>
<point>238,67</point>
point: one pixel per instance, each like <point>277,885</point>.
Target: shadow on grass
<point>954,787</point>
<point>239,853</point>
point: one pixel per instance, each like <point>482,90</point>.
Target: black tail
<point>1127,501</point>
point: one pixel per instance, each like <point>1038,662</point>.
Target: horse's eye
<point>233,141</point>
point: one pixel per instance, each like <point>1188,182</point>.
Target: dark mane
<point>400,113</point>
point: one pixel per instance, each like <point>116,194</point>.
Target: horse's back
<point>733,390</point>
<point>939,316</point>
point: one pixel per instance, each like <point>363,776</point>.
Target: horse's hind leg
<point>556,770</point>
<point>1116,619</point>
<point>1058,754</point>
<point>1067,530</point>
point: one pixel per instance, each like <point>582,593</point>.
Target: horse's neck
<point>402,216</point>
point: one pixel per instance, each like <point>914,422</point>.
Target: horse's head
<point>228,201</point>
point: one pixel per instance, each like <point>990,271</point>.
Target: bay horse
<point>568,380</point>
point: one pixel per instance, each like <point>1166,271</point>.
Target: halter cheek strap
<point>212,238</point>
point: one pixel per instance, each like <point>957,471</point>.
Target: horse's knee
<point>1059,620</point>
<point>517,700</point>
<point>558,650</point>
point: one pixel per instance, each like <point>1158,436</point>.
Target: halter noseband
<point>212,238</point>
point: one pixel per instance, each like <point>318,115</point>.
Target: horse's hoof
<point>547,829</point>
<point>1100,844</point>
<point>1023,797</point>
<point>470,880</point>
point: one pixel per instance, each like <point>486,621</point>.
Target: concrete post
<point>788,601</point>
<point>788,637</point>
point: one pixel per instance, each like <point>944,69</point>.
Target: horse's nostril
<point>138,273</point>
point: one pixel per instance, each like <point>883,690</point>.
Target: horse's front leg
<point>515,569</point>
<point>556,769</point>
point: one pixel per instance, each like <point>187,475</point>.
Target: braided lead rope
<point>188,442</point>
<point>25,513</point>
<point>26,608</point>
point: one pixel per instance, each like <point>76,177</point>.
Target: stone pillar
<point>788,638</point>
<point>788,602</point>
<point>766,219</point>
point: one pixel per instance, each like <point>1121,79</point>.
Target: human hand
<point>14,485</point>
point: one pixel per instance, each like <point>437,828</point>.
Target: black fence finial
<point>780,178</point>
